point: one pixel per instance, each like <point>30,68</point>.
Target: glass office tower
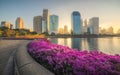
<point>76,23</point>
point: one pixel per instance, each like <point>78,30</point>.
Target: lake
<point>109,45</point>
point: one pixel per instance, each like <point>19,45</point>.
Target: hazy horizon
<point>107,10</point>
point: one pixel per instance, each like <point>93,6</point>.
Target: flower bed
<point>63,60</point>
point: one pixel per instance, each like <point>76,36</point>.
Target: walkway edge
<point>26,64</point>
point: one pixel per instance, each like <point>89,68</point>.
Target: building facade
<point>46,17</point>
<point>94,25</point>
<point>37,24</point>
<point>76,23</point>
<point>19,23</point>
<point>66,29</point>
<point>54,19</point>
<point>85,27</point>
<point>44,26</point>
<point>6,24</point>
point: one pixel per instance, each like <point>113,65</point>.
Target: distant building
<point>46,17</point>
<point>110,31</point>
<point>6,24</point>
<point>66,29</point>
<point>61,31</point>
<point>85,27</point>
<point>37,24</point>
<point>76,23</point>
<point>118,31</point>
<point>94,25</point>
<point>54,19</point>
<point>19,23</point>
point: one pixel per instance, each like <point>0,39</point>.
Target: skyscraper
<point>54,24</point>
<point>76,23</point>
<point>19,23</point>
<point>44,26</point>
<point>85,27</point>
<point>46,17</point>
<point>37,24</point>
<point>94,25</point>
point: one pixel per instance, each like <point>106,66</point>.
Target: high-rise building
<point>94,25</point>
<point>6,24</point>
<point>85,27</point>
<point>44,26</point>
<point>19,23</point>
<point>46,17</point>
<point>37,24</point>
<point>76,23</point>
<point>54,24</point>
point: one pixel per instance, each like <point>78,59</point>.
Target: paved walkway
<point>7,47</point>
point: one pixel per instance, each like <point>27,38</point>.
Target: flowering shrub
<point>63,60</point>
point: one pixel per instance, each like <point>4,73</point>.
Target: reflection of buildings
<point>19,23</point>
<point>92,43</point>
<point>76,23</point>
<point>6,24</point>
<point>76,43</point>
<point>65,42</point>
<point>54,40</point>
<point>94,25</point>
<point>54,24</point>
<point>37,24</point>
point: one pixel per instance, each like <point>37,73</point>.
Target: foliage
<point>63,60</point>
<point>6,32</point>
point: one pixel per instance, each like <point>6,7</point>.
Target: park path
<point>7,49</point>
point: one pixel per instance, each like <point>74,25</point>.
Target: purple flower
<point>63,60</point>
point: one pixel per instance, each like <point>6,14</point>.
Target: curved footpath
<point>25,64</point>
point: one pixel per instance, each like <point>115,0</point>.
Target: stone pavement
<point>15,60</point>
<point>6,49</point>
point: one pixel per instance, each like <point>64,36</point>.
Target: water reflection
<point>54,40</point>
<point>106,45</point>
<point>93,43</point>
<point>76,43</point>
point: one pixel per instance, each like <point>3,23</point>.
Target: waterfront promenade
<point>7,47</point>
<point>15,60</point>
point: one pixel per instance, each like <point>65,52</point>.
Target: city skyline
<point>106,10</point>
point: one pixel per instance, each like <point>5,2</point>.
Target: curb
<point>26,65</point>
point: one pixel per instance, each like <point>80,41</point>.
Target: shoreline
<point>60,36</point>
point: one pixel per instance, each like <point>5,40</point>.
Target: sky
<point>108,11</point>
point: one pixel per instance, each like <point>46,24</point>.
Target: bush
<point>63,60</point>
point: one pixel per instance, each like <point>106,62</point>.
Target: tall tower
<point>76,23</point>
<point>94,25</point>
<point>46,17</point>
<point>37,24</point>
<point>19,23</point>
<point>54,24</point>
<point>85,27</point>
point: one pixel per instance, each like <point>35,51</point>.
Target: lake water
<point>109,45</point>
